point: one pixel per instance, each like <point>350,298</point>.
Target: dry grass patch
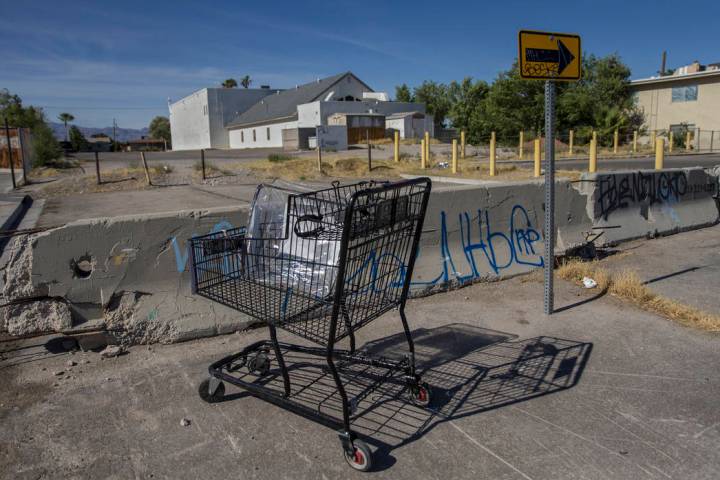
<point>628,286</point>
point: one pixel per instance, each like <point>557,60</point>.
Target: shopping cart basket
<point>320,265</point>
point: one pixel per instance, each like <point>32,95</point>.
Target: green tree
<point>403,94</point>
<point>229,83</point>
<point>66,118</point>
<point>160,128</point>
<point>466,101</point>
<point>77,140</point>
<point>44,145</point>
<point>245,81</point>
<point>436,99</point>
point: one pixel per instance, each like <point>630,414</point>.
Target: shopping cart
<point>320,265</point>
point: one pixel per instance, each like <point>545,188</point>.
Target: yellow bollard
<point>422,153</point>
<point>670,142</point>
<point>454,155</point>
<point>571,142</point>
<point>521,145</point>
<point>616,141</point>
<point>396,150</point>
<point>492,155</point>
<point>537,157</point>
<point>594,136</point>
<point>427,149</point>
<point>462,144</point>
<point>592,168</point>
<point>653,143</point>
<point>659,153</point>
<point>687,141</point>
<point>634,141</point>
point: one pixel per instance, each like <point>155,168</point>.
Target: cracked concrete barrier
<point>126,274</point>
<point>648,203</point>
<point>130,274</point>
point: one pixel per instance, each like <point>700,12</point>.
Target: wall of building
<point>189,122</point>
<point>243,137</point>
<point>225,104</point>
<point>655,100</point>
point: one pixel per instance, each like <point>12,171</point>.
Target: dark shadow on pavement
<point>470,370</point>
<point>670,275</point>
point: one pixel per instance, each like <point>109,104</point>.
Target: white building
<point>199,120</point>
<point>289,118</point>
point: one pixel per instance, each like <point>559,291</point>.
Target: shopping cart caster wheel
<point>361,458</point>
<point>420,394</point>
<point>216,396</point>
<point>259,364</point>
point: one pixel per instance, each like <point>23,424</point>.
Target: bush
<point>278,157</point>
<point>45,147</point>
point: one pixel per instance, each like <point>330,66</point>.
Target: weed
<point>278,157</point>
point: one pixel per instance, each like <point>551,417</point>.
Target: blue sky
<point>124,59</point>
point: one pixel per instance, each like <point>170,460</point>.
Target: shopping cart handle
<point>309,233</point>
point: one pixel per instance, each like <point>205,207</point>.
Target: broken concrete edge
<point>138,280</point>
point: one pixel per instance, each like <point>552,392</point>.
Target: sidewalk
<point>616,393</point>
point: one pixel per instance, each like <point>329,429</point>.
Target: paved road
<point>678,161</point>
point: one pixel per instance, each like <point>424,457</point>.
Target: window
<point>254,137</point>
<point>268,133</point>
<point>242,136</point>
<point>688,93</point>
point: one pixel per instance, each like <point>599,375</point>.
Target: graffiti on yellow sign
<point>549,56</point>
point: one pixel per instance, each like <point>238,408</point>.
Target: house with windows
<point>334,112</point>
<point>687,99</point>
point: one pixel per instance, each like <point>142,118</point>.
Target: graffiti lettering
<point>616,191</point>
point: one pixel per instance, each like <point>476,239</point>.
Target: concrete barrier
<point>130,274</point>
<point>650,203</point>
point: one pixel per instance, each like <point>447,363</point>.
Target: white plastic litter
<point>589,282</point>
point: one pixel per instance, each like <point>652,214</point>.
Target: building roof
<point>283,105</point>
<point>675,78</point>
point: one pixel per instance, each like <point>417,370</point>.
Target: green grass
<point>278,157</point>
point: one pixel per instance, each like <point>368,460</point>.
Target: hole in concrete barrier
<point>82,267</point>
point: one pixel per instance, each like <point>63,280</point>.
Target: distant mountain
<point>123,134</point>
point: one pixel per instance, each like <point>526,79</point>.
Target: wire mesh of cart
<point>321,265</point>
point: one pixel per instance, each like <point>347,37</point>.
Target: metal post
<point>97,168</point>
<point>659,153</point>
<point>634,145</point>
<point>462,144</point>
<point>422,153</point>
<point>202,162</point>
<point>145,166</point>
<point>427,148</point>
<point>396,143</point>
<point>10,155</point>
<point>536,157</point>
<point>520,145</point>
<point>454,155</point>
<point>493,171</point>
<point>367,134</point>
<point>616,141</point>
<point>21,144</point>
<point>549,194</point>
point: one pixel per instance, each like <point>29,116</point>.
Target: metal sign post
<point>551,57</point>
<point>549,233</point>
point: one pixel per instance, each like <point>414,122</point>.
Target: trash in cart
<point>320,265</point>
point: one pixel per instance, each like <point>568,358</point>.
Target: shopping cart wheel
<point>420,394</point>
<point>216,396</point>
<point>259,364</point>
<point>360,458</point>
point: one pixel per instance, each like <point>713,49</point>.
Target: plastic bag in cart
<point>278,256</point>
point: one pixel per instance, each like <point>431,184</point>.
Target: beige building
<point>690,96</point>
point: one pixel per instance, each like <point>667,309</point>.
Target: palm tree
<point>65,118</point>
<point>229,83</point>
<point>245,81</point>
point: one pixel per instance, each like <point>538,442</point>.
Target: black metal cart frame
<point>340,258</point>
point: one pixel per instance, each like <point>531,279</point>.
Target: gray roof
<point>283,105</point>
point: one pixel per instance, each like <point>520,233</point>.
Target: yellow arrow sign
<point>549,56</point>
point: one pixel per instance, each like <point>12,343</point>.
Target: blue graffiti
<point>482,245</point>
<point>500,250</point>
<point>182,254</point>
